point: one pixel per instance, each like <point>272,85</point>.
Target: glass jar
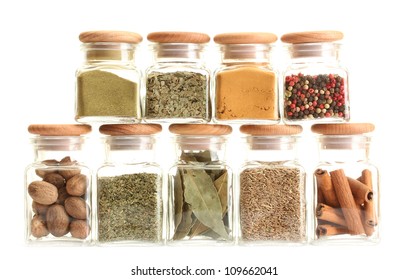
<point>58,186</point>
<point>271,198</point>
<point>129,187</point>
<point>346,185</point>
<point>245,85</point>
<point>315,84</point>
<point>200,186</point>
<point>108,82</point>
<point>177,84</point>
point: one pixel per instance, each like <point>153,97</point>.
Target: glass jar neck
<point>271,148</point>
<point>129,149</point>
<point>108,52</point>
<point>343,148</point>
<point>200,149</point>
<point>57,147</point>
<point>177,52</point>
<point>246,53</point>
<point>314,52</point>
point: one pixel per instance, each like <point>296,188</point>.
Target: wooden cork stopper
<point>130,129</point>
<point>343,129</point>
<point>178,37</point>
<point>59,129</point>
<point>110,36</point>
<point>271,129</point>
<point>245,38</point>
<point>312,37</point>
<point>200,129</point>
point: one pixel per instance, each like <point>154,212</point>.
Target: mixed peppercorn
<point>313,97</point>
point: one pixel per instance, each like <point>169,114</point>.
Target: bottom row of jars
<point>200,204</point>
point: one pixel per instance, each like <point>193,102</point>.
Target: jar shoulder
<point>164,68</point>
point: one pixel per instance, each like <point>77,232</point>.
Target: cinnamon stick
<point>347,202</point>
<point>320,196</point>
<point>360,191</point>
<point>329,230</point>
<point>366,178</point>
<point>324,184</point>
<point>370,220</point>
<point>329,214</point>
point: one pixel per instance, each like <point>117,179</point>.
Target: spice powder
<point>101,93</point>
<point>272,204</point>
<point>246,93</point>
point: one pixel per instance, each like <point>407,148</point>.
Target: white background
<point>39,54</point>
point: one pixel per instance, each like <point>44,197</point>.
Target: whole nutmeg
<point>76,207</point>
<point>42,172</point>
<point>79,229</point>
<point>55,179</point>
<point>43,192</point>
<point>77,185</point>
<point>62,196</point>
<point>39,209</point>
<point>58,221</point>
<point>38,227</point>
<point>68,170</point>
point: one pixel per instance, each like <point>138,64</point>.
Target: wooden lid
<point>312,37</point>
<point>245,38</point>
<point>343,128</point>
<point>271,129</point>
<point>178,37</point>
<point>59,129</point>
<point>200,129</point>
<point>110,36</point>
<point>130,129</point>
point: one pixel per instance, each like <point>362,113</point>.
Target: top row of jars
<point>245,88</point>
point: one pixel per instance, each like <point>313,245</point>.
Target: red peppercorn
<point>327,115</point>
<point>291,83</point>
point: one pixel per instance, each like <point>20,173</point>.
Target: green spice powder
<point>101,93</point>
<point>130,208</point>
<point>179,94</point>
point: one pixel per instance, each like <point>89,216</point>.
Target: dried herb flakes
<point>180,94</point>
<point>130,208</point>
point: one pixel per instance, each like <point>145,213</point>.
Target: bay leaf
<point>215,173</point>
<point>178,198</point>
<point>188,157</point>
<point>197,229</point>
<point>203,156</point>
<point>201,194</point>
<point>185,224</point>
<point>221,187</point>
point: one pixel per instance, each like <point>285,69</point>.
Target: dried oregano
<point>178,94</point>
<point>130,208</point>
<point>272,203</point>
